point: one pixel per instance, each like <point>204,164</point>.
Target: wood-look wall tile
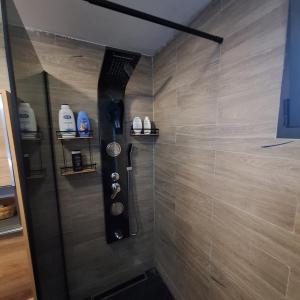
<point>224,286</point>
<point>194,207</point>
<point>258,186</point>
<point>294,284</point>
<point>165,222</point>
<point>164,69</point>
<point>240,271</point>
<point>232,110</point>
<point>263,265</point>
<point>192,278</point>
<point>197,95</point>
<point>237,15</point>
<point>138,106</point>
<point>140,82</point>
<point>208,14</point>
<point>257,38</point>
<point>193,240</point>
<point>261,103</point>
<point>165,100</point>
<point>255,106</point>
<point>297,223</point>
<point>242,138</point>
<point>167,133</point>
<point>196,51</point>
<point>279,243</point>
<point>165,258</point>
<point>166,109</point>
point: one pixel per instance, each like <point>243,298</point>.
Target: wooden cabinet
<point>16,274</point>
<point>4,167</point>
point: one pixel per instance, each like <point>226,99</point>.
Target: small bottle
<point>77,160</point>
<point>83,124</point>
<point>27,119</point>
<point>137,125</point>
<point>66,121</point>
<point>147,125</point>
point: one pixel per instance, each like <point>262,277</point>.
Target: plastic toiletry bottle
<point>77,160</point>
<point>66,121</point>
<point>147,125</point>
<point>137,125</point>
<point>27,119</point>
<point>83,124</point>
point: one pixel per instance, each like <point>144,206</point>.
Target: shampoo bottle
<point>147,125</point>
<point>66,121</point>
<point>83,124</point>
<point>137,125</point>
<point>27,120</point>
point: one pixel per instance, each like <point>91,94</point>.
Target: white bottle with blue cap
<point>66,121</point>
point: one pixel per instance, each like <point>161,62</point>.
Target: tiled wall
<point>92,265</point>
<point>227,224</point>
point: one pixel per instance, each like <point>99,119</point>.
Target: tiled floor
<point>149,289</point>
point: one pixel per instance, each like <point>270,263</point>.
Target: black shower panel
<point>117,68</point>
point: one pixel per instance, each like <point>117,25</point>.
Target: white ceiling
<point>81,20</point>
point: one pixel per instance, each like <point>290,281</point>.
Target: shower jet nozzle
<point>115,112</point>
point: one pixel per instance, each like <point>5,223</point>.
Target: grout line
<point>176,88</point>
<point>288,282</point>
<point>296,216</point>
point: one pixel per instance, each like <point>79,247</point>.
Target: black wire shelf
<point>144,132</point>
<point>31,136</point>
<point>74,135</point>
<point>69,171</point>
<point>36,174</point>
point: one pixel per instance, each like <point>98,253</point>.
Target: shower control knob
<point>118,234</point>
<point>116,188</point>
<point>115,176</point>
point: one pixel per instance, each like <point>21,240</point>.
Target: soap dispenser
<point>147,125</point>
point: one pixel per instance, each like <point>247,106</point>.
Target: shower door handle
<point>116,188</point>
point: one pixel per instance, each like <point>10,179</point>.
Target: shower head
<point>117,68</point>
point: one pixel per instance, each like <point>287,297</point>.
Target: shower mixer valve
<point>115,176</point>
<point>116,188</point>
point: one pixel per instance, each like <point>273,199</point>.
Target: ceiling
<point>80,20</point>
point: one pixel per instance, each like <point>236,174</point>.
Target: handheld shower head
<point>129,155</point>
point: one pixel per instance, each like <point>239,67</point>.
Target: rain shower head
<point>117,68</point>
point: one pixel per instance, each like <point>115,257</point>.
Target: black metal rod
<point>144,16</point>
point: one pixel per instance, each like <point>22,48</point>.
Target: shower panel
<point>117,68</point>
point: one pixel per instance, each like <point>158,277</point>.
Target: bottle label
<point>83,125</point>
<point>67,117</point>
<point>24,116</point>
